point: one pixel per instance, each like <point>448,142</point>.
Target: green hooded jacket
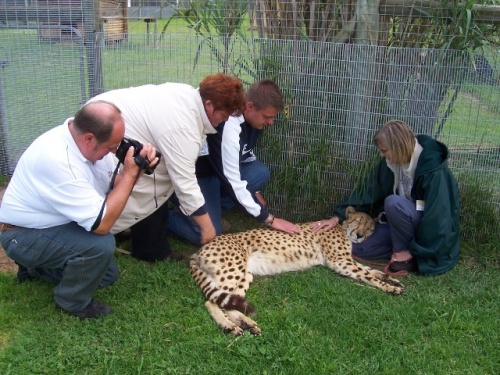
<point>436,245</point>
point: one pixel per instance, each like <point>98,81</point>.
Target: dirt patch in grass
<point>7,265</point>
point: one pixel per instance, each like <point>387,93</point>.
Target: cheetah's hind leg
<point>382,276</point>
<point>232,321</point>
<point>243,321</point>
<point>391,280</point>
<point>222,319</point>
<point>356,271</point>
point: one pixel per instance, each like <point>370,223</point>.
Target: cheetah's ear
<point>349,210</point>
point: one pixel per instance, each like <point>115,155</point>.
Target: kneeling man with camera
<point>63,199</point>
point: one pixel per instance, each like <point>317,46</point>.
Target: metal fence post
<point>5,163</point>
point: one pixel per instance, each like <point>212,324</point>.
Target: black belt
<point>5,227</point>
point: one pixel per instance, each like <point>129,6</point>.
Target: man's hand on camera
<point>149,153</point>
<point>135,166</point>
<point>145,159</point>
<point>130,166</point>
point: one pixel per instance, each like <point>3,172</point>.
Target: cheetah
<point>224,267</point>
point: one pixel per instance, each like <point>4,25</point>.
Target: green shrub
<point>479,222</point>
<point>3,180</point>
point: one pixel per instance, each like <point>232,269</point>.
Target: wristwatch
<point>270,222</point>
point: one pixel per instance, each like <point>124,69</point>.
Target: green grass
<point>473,121</point>
<point>313,322</point>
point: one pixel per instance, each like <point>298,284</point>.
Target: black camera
<point>143,163</point>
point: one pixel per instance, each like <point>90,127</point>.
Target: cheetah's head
<point>358,226</point>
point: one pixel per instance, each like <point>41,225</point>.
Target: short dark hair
<point>89,120</point>
<point>224,91</point>
<point>265,93</point>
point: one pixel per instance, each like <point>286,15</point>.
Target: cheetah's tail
<point>228,301</point>
<point>223,299</point>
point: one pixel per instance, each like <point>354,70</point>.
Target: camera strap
<point>97,221</point>
<point>154,184</point>
<point>113,178</point>
<point>141,162</point>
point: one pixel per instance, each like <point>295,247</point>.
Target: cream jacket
<point>172,118</point>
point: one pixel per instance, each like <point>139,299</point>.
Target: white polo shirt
<point>53,184</point>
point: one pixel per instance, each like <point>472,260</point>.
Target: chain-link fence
<point>337,92</point>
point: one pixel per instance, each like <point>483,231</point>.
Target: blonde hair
<point>399,139</point>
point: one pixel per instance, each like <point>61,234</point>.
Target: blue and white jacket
<point>232,145</point>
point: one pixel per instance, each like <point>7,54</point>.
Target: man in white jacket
<point>175,118</point>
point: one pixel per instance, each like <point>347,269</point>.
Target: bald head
<point>98,118</point>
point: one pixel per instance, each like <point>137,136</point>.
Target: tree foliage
<point>215,21</point>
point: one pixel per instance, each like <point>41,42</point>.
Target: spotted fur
<point>224,268</point>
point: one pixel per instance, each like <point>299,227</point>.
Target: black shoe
<point>123,236</point>
<point>23,274</point>
<point>410,265</point>
<point>93,310</point>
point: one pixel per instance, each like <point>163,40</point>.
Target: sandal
<point>377,264</point>
<point>395,268</point>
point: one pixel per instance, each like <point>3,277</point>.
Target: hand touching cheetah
<point>224,267</point>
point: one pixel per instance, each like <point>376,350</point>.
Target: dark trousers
<point>395,235</point>
<point>184,226</point>
<point>149,236</point>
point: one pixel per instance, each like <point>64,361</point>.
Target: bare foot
<point>401,256</point>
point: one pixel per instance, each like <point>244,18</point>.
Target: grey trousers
<point>76,260</point>
<point>393,236</point>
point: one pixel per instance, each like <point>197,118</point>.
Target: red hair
<point>224,91</point>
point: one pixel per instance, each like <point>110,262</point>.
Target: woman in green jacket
<point>415,196</point>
